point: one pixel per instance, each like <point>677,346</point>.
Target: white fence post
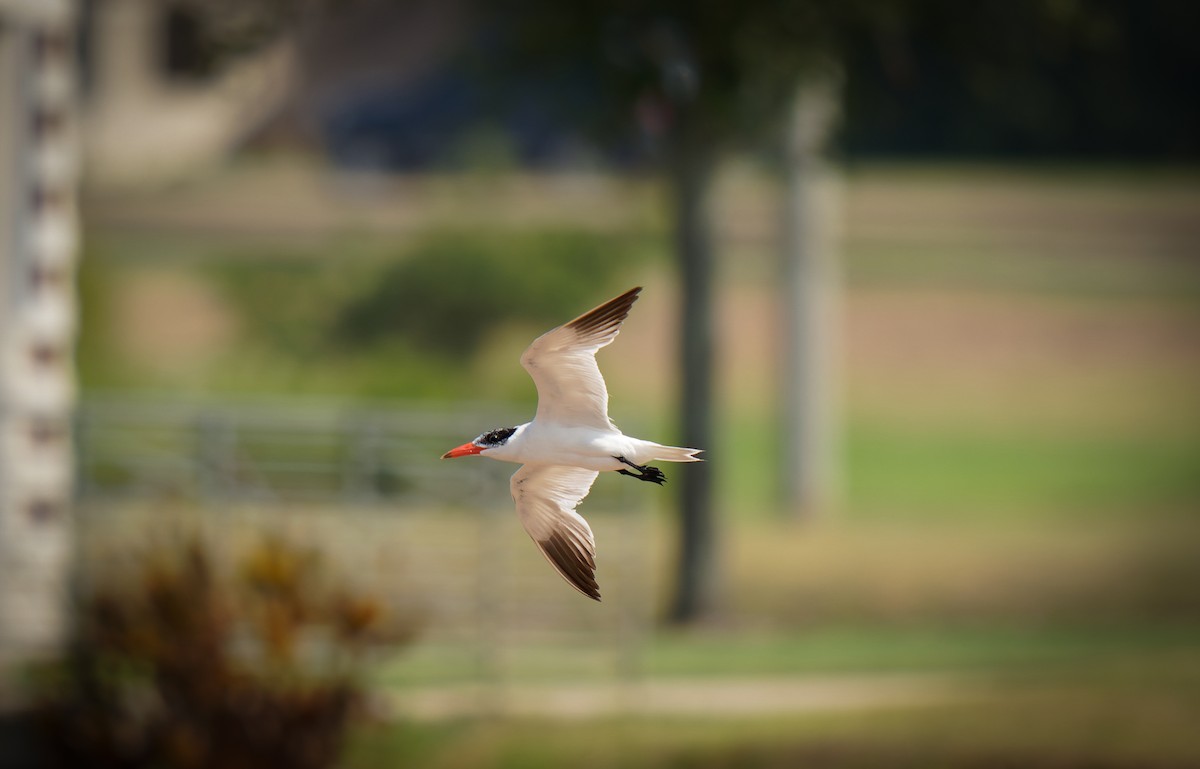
<point>810,287</point>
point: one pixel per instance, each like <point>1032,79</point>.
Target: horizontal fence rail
<point>218,452</point>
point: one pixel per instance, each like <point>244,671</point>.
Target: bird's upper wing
<point>546,497</point>
<point>562,362</point>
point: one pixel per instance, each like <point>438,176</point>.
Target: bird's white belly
<point>575,446</point>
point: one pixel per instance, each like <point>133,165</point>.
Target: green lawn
<point>1008,650</point>
<point>960,474</point>
<point>1132,708</point>
<point>957,472</point>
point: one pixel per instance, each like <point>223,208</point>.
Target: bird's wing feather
<point>562,363</point>
<point>546,497</point>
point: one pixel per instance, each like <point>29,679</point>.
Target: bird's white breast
<point>553,444</point>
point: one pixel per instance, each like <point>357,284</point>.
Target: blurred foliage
<point>96,289</point>
<point>927,77</point>
<point>377,320</point>
<point>712,74</point>
<point>306,295</point>
<point>454,287</point>
<point>185,661</point>
<point>1101,78</point>
<point>440,294</point>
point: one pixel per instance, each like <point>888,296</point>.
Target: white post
<point>810,287</point>
<point>38,235</point>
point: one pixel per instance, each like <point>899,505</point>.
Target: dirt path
<point>692,697</point>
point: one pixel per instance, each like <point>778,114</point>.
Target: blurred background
<point>920,276</point>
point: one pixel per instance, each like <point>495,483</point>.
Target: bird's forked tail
<point>675,454</point>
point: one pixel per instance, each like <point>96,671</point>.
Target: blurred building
<point>159,98</point>
<point>171,86</point>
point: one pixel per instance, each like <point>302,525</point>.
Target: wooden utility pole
<point>38,236</point>
<point>810,286</point>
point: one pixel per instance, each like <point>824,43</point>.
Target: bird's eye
<point>496,437</point>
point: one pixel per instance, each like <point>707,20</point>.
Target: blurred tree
<point>693,80</point>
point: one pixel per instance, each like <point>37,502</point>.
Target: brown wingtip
<point>575,566</point>
<point>607,315</point>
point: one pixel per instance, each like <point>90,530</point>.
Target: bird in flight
<point>570,441</point>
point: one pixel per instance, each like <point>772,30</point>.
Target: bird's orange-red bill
<point>465,450</point>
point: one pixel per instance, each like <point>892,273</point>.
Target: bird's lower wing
<point>546,497</point>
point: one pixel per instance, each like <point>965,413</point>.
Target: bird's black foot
<point>644,472</point>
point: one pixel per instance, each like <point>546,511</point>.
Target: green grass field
<point>1131,708</point>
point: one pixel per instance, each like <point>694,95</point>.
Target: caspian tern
<point>570,441</point>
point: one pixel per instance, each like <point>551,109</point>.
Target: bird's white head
<point>489,440</point>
